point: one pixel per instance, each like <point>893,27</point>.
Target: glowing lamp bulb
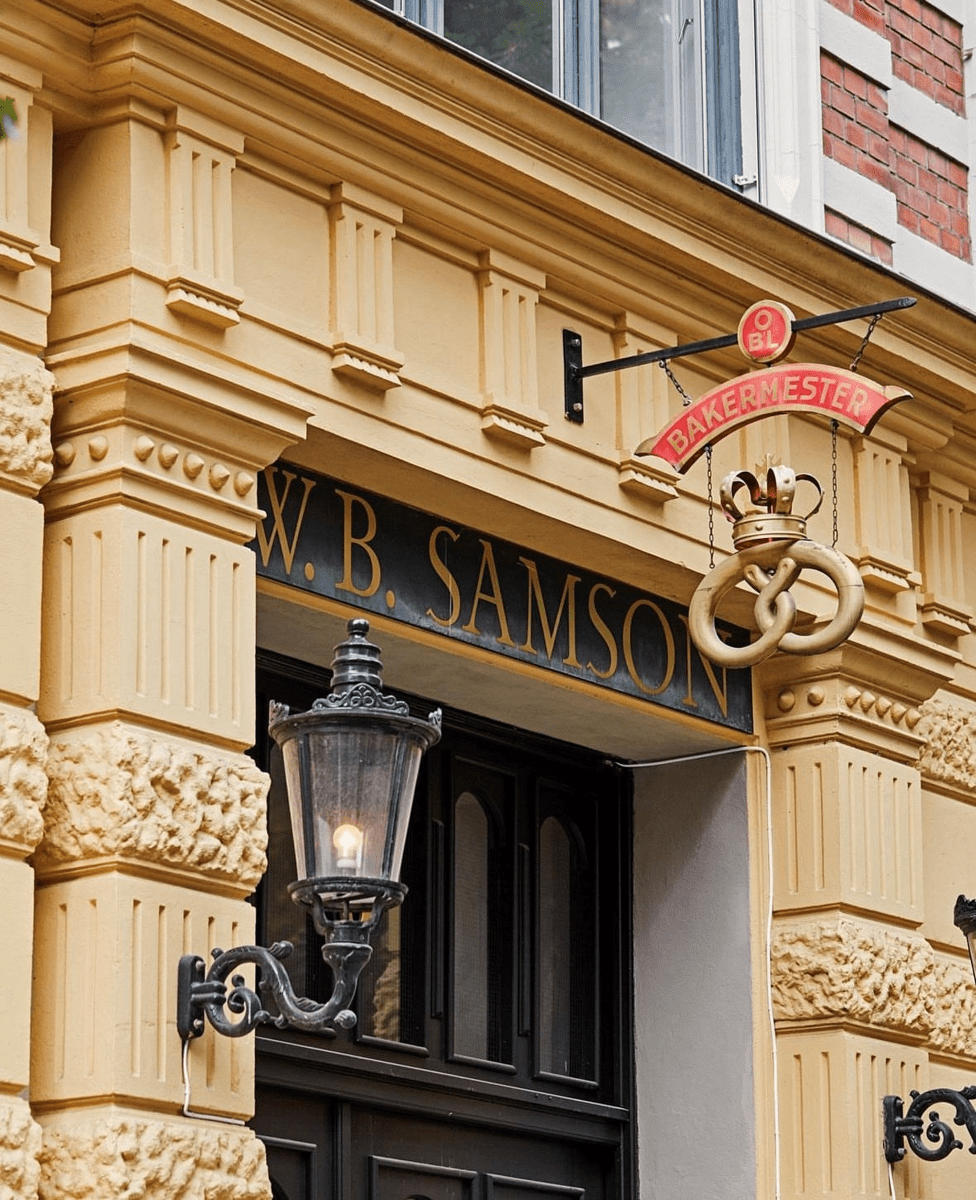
<point>348,843</point>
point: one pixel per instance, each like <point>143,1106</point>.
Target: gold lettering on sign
<point>629,647</point>
<point>603,630</point>
<point>279,532</point>
<point>445,576</point>
<point>805,387</point>
<point>494,597</point>
<point>721,692</point>
<point>567,602</point>
<point>347,583</point>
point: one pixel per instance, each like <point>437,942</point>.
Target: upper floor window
<point>667,72</point>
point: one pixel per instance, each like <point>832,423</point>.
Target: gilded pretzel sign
<point>771,550</point>
<point>770,541</point>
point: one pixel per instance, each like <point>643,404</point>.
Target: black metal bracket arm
<point>345,918</point>
<point>205,994</point>
<point>940,1140</point>
<point>574,372</point>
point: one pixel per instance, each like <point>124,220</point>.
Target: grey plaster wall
<point>692,982</point>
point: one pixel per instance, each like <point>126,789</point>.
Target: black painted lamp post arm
<point>939,1139</point>
<point>205,994</point>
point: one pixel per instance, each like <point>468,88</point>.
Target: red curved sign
<point>801,387</point>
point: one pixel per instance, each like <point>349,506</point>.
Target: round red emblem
<point>766,331</point>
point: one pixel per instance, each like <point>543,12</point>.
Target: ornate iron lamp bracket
<point>203,994</point>
<point>932,1141</point>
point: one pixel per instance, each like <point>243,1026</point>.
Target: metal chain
<point>864,341</point>
<point>833,474</point>
<point>685,398</point>
<point>687,401</point>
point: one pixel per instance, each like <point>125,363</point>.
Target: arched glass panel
<point>470,908</point>
<point>555,949</point>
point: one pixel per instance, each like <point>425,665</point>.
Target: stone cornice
<point>868,692</point>
<point>369,67</point>
<point>23,780</point>
<point>885,979</point>
<point>167,434</point>
<point>120,796</point>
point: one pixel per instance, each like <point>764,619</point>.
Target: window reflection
<point>470,928</point>
<point>650,73</point>
<point>514,34</point>
<point>555,949</point>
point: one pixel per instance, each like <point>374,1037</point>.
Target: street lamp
<point>351,765</point>
<point>940,1139</point>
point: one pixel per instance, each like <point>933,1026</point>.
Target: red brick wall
<point>931,191</point>
<point>932,195</point>
<point>926,51</point>
<point>855,121</point>
<point>857,236</point>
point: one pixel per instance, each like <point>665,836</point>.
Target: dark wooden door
<point>492,1055</point>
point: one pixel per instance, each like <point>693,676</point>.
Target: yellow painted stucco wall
<point>304,230</point>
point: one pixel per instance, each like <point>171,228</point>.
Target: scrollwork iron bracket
<point>345,913</point>
<point>911,1127</point>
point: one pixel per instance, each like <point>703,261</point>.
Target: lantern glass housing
<point>351,765</point>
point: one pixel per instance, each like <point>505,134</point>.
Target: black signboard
<point>340,541</point>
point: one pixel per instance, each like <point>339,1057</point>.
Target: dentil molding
<point>847,970</point>
<point>152,1160</point>
<point>23,778</point>
<point>20,1145</point>
<point>120,793</point>
<point>26,406</point>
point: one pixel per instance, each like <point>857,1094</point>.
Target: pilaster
<point>26,253</point>
<point>154,830</point>
<point>25,464</point>
<point>885,553</point>
<point>509,296</point>
<point>363,227</point>
<point>642,409</point>
<point>861,997</point>
<point>200,155</point>
<point>943,607</point>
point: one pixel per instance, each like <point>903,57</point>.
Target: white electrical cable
<point>187,1111</point>
<point>774,1053</point>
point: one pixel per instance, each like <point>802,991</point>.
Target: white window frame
<point>576,76</point>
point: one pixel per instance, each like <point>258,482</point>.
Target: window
<point>667,72</point>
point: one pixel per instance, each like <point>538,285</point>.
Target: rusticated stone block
<point>949,749</point>
<point>23,780</point>
<point>152,1160</point>
<point>120,793</point>
<point>20,1145</point>
<point>830,970</point>
<point>847,969</point>
<point>26,405</point>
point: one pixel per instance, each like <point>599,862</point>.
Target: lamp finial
<point>356,659</point>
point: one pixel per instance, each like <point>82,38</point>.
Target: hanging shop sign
<point>336,540</point>
<point>801,388</point>
<point>771,546</point>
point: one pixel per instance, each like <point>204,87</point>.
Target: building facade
<point>283,296</point>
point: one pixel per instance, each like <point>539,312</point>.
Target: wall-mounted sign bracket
<point>574,372</point>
